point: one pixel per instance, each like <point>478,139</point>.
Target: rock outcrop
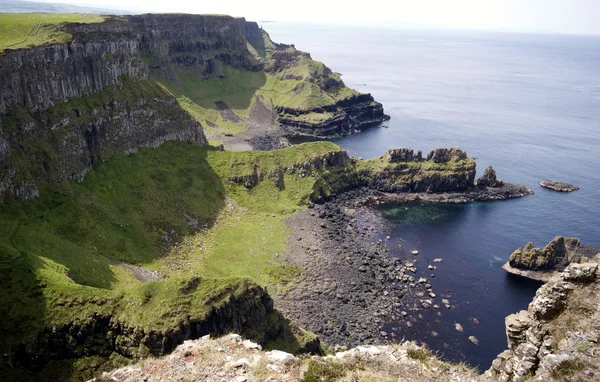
<point>442,170</point>
<point>542,263</point>
<point>247,309</point>
<point>488,179</point>
<point>558,186</point>
<point>231,358</point>
<point>555,338</point>
<point>347,117</point>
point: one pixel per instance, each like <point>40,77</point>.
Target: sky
<point>553,16</point>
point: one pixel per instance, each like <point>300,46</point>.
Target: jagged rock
<point>488,179</point>
<point>558,186</point>
<point>556,255</point>
<point>442,155</point>
<point>516,327</point>
<point>550,300</point>
<point>404,155</point>
<point>585,272</point>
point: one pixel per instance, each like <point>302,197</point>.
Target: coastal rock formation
<point>400,170</point>
<point>66,107</point>
<point>347,116</point>
<point>488,179</point>
<point>230,358</point>
<point>247,309</point>
<point>549,341</point>
<point>558,186</point>
<point>542,263</point>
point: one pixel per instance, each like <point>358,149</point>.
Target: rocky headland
<point>543,263</point>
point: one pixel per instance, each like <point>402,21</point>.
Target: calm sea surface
<point>527,104</point>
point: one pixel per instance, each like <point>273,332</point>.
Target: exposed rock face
<point>558,186</point>
<point>443,170</point>
<point>230,358</point>
<point>63,143</point>
<point>250,313</point>
<point>541,263</point>
<point>488,179</point>
<point>453,154</point>
<point>539,339</point>
<point>404,155</point>
<point>348,116</point>
<point>60,95</point>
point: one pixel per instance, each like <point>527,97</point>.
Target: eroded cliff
<point>137,81</point>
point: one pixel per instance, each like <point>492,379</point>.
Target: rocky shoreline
<point>475,194</point>
<point>352,282</point>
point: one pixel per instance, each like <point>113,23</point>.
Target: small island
<point>558,186</point>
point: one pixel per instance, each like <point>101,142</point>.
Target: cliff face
<point>64,107</point>
<point>245,309</point>
<point>557,337</point>
<point>401,170</point>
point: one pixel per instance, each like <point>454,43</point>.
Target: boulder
<point>278,356</point>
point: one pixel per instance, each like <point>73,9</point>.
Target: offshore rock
<point>558,186</point>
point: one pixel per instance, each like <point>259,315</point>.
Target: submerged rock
<point>558,186</point>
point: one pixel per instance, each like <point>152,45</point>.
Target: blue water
<point>527,104</point>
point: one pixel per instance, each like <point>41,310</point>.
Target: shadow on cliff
<point>131,209</point>
<point>220,89</point>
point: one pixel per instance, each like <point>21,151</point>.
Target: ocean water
<point>529,104</point>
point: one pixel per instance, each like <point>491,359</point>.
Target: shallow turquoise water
<point>527,104</point>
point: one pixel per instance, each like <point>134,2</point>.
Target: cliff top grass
<point>61,255</point>
<point>25,30</point>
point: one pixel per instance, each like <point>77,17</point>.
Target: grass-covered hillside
<point>25,30</point>
<point>139,227</point>
<point>236,99</point>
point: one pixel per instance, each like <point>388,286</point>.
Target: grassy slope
<point>24,30</point>
<point>58,251</point>
<point>238,89</point>
<point>295,88</point>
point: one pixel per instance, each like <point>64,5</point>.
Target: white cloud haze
<point>558,16</point>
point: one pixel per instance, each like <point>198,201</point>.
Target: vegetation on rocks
<point>25,30</point>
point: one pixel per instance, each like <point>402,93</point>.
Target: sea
<point>528,104</point>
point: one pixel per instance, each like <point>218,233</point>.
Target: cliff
<point>401,170</point>
<point>129,82</point>
<point>557,337</point>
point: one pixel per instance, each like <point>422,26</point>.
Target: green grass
<point>239,90</point>
<point>319,371</point>
<point>25,30</point>
<point>419,354</point>
<point>60,254</point>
